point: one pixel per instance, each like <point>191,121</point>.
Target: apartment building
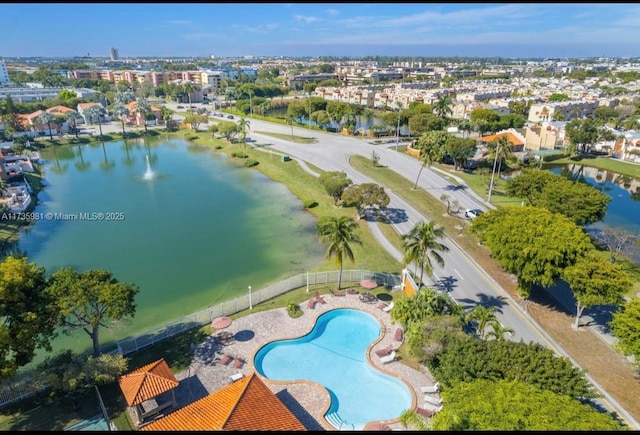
<point>4,74</point>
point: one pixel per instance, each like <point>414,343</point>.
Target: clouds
<point>194,28</point>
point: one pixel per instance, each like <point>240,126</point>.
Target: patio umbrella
<point>368,284</point>
<point>221,322</point>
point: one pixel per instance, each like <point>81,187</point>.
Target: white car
<point>472,213</point>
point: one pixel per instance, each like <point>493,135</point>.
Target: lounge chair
<point>338,292</point>
<point>320,300</point>
<point>384,351</point>
<point>399,335</point>
<point>225,360</point>
<point>388,307</point>
<point>431,407</point>
<point>432,400</point>
<point>312,304</point>
<point>352,291</point>
<point>238,363</point>
<point>431,388</point>
<point>236,377</point>
<point>388,358</point>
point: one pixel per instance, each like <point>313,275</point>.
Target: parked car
<point>472,213</point>
<point>230,116</point>
<point>180,107</point>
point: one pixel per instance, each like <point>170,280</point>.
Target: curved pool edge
<point>370,361</point>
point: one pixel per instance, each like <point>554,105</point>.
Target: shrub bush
<point>251,162</point>
<point>310,204</point>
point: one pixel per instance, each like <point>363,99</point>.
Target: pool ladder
<point>337,421</point>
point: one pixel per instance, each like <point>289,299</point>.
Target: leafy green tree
<point>483,114</point>
<point>432,149</point>
<point>625,327</point>
<point>421,244</point>
<point>340,234</point>
<point>28,319</point>
<point>72,375</point>
<point>365,195</point>
<point>459,150</point>
<point>228,129</point>
<point>46,118</point>
<point>144,109</point>
<point>533,243</point>
<point>512,405</point>
<point>297,111</point>
<point>166,115</point>
<point>337,110</point>
<point>424,122</point>
<point>582,135</point>
<point>556,97</point>
<point>577,200</point>
<point>427,305</point>
<point>90,300</point>
<point>335,182</point>
<point>466,359</point>
<point>595,281</point>
<point>195,120</point>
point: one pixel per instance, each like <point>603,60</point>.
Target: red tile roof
<point>84,106</point>
<point>147,382</point>
<point>247,404</point>
<point>59,110</point>
<point>510,137</point>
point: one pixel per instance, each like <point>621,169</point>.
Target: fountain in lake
<point>148,175</point>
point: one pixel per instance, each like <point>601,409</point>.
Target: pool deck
<point>308,400</point>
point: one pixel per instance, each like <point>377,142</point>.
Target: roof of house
<point>34,115</point>
<point>85,106</point>
<point>147,382</point>
<point>59,109</point>
<point>246,404</point>
<point>510,137</point>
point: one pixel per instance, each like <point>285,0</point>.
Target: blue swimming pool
<point>334,355</point>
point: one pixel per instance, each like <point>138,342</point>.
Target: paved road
<point>461,276</point>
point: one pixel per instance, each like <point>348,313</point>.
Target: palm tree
<point>431,145</point>
<point>498,330</point>
<point>243,126</point>
<point>143,108</point>
<point>120,110</point>
<point>166,114</point>
<point>46,118</point>
<point>72,120</point>
<point>421,243</point>
<point>442,106</point>
<point>189,88</point>
<point>340,234</point>
<point>289,120</point>
<point>498,150</point>
<point>96,112</point>
<point>483,316</point>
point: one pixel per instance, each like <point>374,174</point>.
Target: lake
<point>624,209</point>
<point>198,231</point>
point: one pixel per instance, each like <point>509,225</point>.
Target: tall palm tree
<point>143,108</point>
<point>432,146</point>
<point>46,118</point>
<point>96,112</point>
<point>72,120</point>
<point>420,245</point>
<point>340,234</point>
<point>289,120</point>
<point>498,330</point>
<point>442,106</point>
<point>120,110</point>
<point>243,126</point>
<point>189,88</point>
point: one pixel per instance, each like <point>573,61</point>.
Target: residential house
<point>515,139</point>
<point>136,118</point>
<point>547,136</point>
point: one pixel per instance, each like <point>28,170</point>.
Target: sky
<point>317,29</point>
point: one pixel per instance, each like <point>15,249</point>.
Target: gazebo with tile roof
<point>246,404</point>
<point>146,383</point>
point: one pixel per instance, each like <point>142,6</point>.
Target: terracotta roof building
<point>246,404</point>
<point>147,383</point>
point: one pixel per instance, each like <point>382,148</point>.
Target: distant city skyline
<point>335,29</point>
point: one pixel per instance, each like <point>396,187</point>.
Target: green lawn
<point>292,138</point>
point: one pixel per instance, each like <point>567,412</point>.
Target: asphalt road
<point>461,276</point>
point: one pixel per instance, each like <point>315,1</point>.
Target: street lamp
<point>398,131</point>
<point>250,304</point>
